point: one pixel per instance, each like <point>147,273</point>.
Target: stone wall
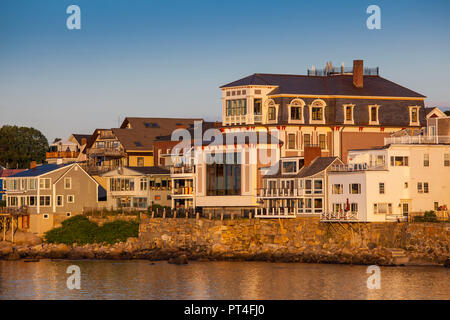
<point>301,237</point>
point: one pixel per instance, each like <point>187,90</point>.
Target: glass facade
<point>223,176</point>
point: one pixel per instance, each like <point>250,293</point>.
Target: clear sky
<point>168,58</point>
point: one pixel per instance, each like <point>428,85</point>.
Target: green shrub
<point>80,230</point>
<point>117,231</point>
<point>428,216</point>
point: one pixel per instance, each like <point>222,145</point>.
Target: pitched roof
<point>150,170</point>
<point>9,172</point>
<point>205,126</point>
<point>318,165</point>
<point>39,170</point>
<point>80,137</point>
<point>158,124</point>
<point>341,84</point>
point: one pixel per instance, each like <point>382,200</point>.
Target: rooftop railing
<point>342,70</point>
<point>62,154</point>
<point>417,140</point>
<point>357,167</point>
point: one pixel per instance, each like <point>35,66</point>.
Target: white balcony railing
<point>275,213</point>
<point>182,170</point>
<point>358,167</point>
<point>417,140</point>
<point>339,216</point>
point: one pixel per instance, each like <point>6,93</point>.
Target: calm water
<point>217,280</point>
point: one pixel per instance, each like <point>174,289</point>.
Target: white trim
<point>352,106</point>
<point>69,179</point>
<point>301,105</point>
<point>377,122</point>
<point>416,123</point>
<point>315,104</point>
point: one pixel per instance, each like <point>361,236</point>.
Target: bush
<point>428,216</point>
<point>80,230</point>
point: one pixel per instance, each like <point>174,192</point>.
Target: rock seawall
<point>289,240</point>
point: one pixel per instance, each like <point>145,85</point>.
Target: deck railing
<point>62,154</point>
<point>275,212</point>
<point>357,167</point>
<point>417,140</point>
<point>339,216</point>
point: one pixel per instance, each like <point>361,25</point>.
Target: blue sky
<point>168,58</point>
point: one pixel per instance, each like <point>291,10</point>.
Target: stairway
<point>399,256</point>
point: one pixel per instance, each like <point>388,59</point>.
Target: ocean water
<point>140,279</point>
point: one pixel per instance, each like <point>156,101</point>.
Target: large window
<point>289,166</point>
<point>354,188</point>
<point>121,184</point>
<point>373,114</point>
<point>143,184</point>
<point>338,189</point>
<point>414,115</point>
<point>224,175</point>
<point>306,140</point>
<point>399,161</point>
<point>44,183</point>
<point>296,110</point>
<point>348,114</point>
<point>236,107</point>
<point>291,141</point>
<point>257,106</point>
<point>44,201</point>
<point>317,113</point>
<point>322,141</point>
<point>382,208</point>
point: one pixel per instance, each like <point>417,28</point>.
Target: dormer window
<point>348,114</point>
<point>272,112</point>
<point>289,167</point>
<point>414,115</point>
<point>373,114</point>
<point>296,111</point>
<point>317,112</point>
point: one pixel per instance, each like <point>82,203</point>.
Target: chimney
<point>311,153</point>
<point>32,164</point>
<point>83,141</point>
<point>358,70</point>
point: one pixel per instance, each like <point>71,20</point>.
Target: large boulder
<point>24,238</point>
<point>5,248</point>
<point>180,259</point>
<point>59,251</point>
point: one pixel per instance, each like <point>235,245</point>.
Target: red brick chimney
<point>83,141</point>
<point>311,153</point>
<point>32,164</point>
<point>358,71</point>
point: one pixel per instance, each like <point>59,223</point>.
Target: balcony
<point>358,167</point>
<point>182,170</point>
<point>106,152</point>
<point>275,213</point>
<point>417,140</point>
<point>280,193</point>
<point>348,216</point>
<point>183,191</point>
<point>62,154</point>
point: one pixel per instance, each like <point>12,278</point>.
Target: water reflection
<point>217,280</point>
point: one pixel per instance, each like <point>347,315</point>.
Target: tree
<point>447,112</point>
<point>21,145</point>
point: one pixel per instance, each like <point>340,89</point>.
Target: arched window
<point>271,111</point>
<point>296,111</point>
<point>317,111</point>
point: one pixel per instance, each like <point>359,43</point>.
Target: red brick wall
<point>360,140</point>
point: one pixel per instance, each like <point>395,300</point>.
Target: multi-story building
<point>137,188</point>
<point>131,144</point>
<point>337,109</point>
<point>66,151</point>
<point>389,183</point>
<point>297,190</point>
<point>50,193</point>
<point>4,173</point>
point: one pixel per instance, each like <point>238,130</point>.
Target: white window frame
<point>49,202</point>
<point>350,188</point>
<point>295,141</point>
<point>62,200</point>
<point>371,122</point>
<point>379,187</point>
<point>352,121</point>
<point>297,103</point>
<point>73,198</point>
<point>65,183</point>
<point>271,103</point>
<point>414,123</point>
<point>318,103</point>
<point>44,182</point>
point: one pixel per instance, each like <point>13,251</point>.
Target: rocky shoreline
<point>138,249</point>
